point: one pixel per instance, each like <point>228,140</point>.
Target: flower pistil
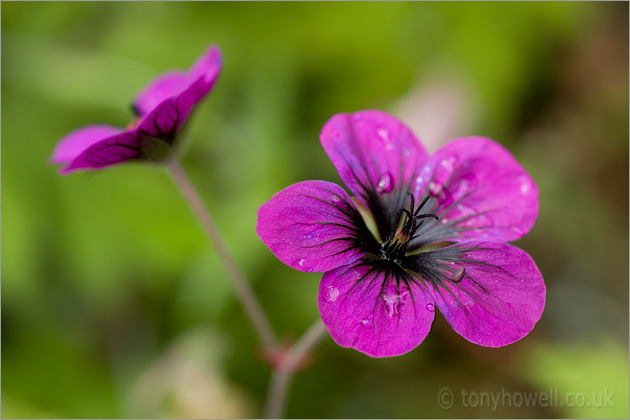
<point>395,248</point>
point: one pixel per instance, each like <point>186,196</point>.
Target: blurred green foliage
<point>114,304</point>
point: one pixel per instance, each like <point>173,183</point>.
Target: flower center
<point>395,247</point>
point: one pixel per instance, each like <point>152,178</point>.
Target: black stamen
<point>435,216</point>
<point>413,200</point>
<point>421,205</point>
<point>395,247</point>
<point>406,211</point>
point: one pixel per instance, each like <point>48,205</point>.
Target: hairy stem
<point>285,370</point>
<point>251,305</point>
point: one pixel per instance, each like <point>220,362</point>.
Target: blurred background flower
<point>112,293</point>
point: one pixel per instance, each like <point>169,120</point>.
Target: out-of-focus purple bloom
<point>421,232</point>
<point>161,108</point>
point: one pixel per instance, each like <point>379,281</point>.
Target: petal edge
<point>491,293</point>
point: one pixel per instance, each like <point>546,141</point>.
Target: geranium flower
<point>421,232</point>
<point>161,110</point>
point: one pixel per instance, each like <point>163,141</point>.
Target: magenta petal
<point>76,142</point>
<point>482,189</point>
<point>208,67</point>
<point>372,151</point>
<point>163,87</point>
<point>167,117</point>
<point>164,121</point>
<point>500,297</point>
<point>380,311</point>
<point>206,70</point>
<point>311,226</point>
<point>113,150</point>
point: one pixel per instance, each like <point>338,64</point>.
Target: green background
<point>115,305</point>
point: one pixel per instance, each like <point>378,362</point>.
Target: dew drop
<point>385,184</point>
<point>301,262</point>
<point>333,294</point>
<point>390,301</point>
<point>385,137</point>
<point>418,184</point>
<point>366,323</point>
<point>448,164</point>
<point>383,133</point>
<point>524,188</point>
<point>430,307</point>
<point>434,189</point>
<point>461,187</point>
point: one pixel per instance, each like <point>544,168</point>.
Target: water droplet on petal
<point>434,189</point>
<point>385,184</point>
<point>333,294</point>
<point>417,185</point>
<point>524,188</point>
<point>461,188</point>
<point>383,133</point>
<point>394,301</point>
<point>385,137</point>
<point>301,262</point>
<point>517,230</point>
<point>448,164</point>
<point>366,323</point>
<point>391,305</point>
<point>430,307</point>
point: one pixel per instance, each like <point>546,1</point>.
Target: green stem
<point>283,373</point>
<point>243,290</point>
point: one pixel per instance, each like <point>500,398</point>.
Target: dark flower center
<point>394,248</point>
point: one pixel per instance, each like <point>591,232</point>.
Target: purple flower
<point>421,232</point>
<point>161,108</point>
